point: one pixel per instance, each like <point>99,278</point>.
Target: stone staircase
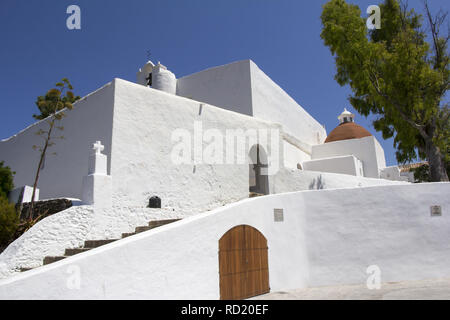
<point>91,244</point>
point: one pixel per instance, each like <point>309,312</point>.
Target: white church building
<point>238,166</point>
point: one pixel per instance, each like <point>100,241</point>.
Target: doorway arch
<point>258,178</point>
<point>243,263</point>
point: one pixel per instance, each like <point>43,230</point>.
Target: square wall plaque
<point>436,211</point>
<point>278,215</point>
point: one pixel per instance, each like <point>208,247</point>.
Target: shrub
<point>422,173</point>
<point>9,221</point>
<point>6,180</point>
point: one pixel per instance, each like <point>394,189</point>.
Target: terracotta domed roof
<point>347,130</point>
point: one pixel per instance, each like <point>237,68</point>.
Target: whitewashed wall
<point>227,86</point>
<point>290,180</point>
<point>71,227</point>
<point>89,121</point>
<point>137,124</point>
<point>142,164</point>
<point>272,103</point>
<point>328,237</point>
<point>366,149</point>
<point>342,164</point>
<point>242,87</point>
<point>293,155</point>
<point>381,159</point>
<point>388,226</point>
<point>393,173</point>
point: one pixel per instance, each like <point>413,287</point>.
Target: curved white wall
<point>164,80</point>
<point>328,237</point>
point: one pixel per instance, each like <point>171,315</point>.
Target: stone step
<point>90,244</point>
<point>158,223</point>
<point>25,269</point>
<point>97,243</point>
<point>142,229</point>
<point>154,224</point>
<point>71,252</point>
<point>128,234</point>
<point>49,259</point>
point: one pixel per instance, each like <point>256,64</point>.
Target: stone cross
<point>98,147</point>
<point>97,160</point>
<point>96,189</point>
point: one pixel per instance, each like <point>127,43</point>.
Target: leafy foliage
<point>395,74</point>
<point>9,221</point>
<point>422,173</point>
<point>54,102</point>
<point>6,180</point>
<point>51,107</point>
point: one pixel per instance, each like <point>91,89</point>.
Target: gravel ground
<point>436,289</point>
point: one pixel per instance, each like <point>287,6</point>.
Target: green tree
<point>6,180</point>
<point>395,74</point>
<point>9,221</point>
<point>51,107</point>
<point>422,173</point>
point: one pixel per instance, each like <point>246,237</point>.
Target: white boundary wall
<point>71,227</point>
<point>291,180</point>
<point>328,237</point>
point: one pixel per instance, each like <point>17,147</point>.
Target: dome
<point>347,130</point>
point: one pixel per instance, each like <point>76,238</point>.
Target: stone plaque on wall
<point>278,215</point>
<point>436,211</point>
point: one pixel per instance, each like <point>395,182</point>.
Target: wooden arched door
<point>243,263</point>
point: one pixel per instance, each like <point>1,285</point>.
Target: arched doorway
<point>243,263</point>
<point>258,179</point>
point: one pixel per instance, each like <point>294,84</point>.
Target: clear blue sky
<point>281,36</point>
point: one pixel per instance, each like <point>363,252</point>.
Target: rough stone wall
<point>45,207</point>
<point>70,228</point>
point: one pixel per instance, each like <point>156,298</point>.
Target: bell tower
<point>346,116</point>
